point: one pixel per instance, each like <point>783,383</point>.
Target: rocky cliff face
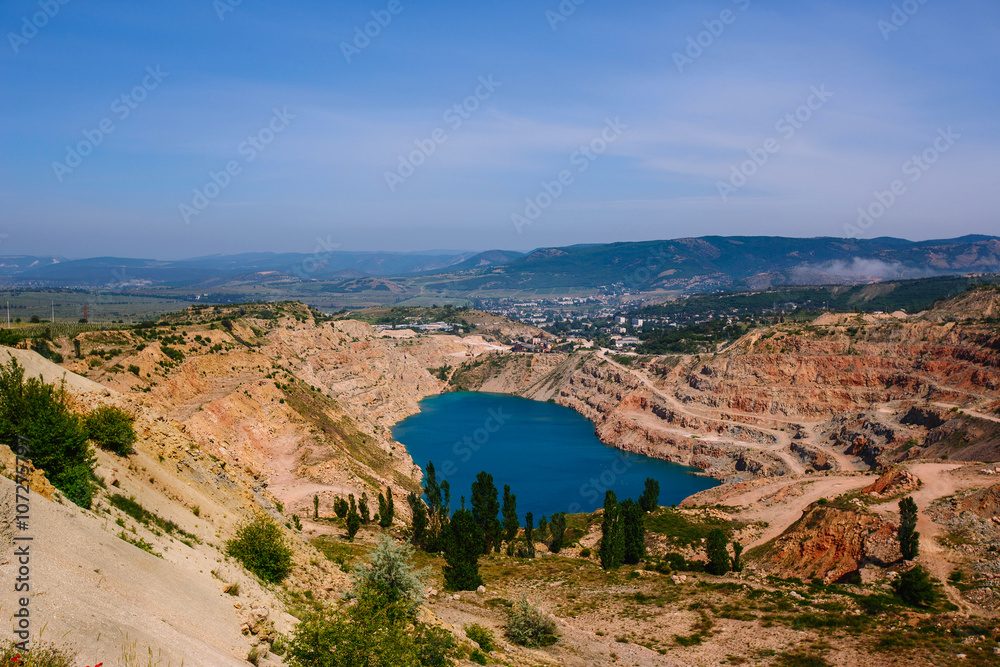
<point>829,544</point>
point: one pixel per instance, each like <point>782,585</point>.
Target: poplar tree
<point>633,532</point>
<point>485,507</point>
<point>557,525</point>
<point>610,551</point>
<point>650,497</point>
<point>529,535</point>
<point>509,512</point>
<point>363,508</point>
<point>462,547</point>
<point>418,522</point>
<point>909,538</point>
<point>387,512</point>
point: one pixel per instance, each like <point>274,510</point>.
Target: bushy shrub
<point>260,547</point>
<point>915,587</point>
<point>39,655</point>
<point>372,632</point>
<point>481,635</point>
<point>36,415</point>
<point>388,572</point>
<point>111,428</point>
<point>529,626</point>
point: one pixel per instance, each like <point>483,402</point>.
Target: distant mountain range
<point>690,264</point>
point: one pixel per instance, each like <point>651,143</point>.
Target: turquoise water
<point>546,452</point>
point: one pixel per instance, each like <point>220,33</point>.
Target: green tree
<point>363,509</point>
<point>718,553</point>
<point>557,525</point>
<point>340,508</point>
<point>915,587</point>
<point>485,507</point>
<point>438,507</point>
<point>529,535</point>
<point>909,538</point>
<point>260,547</point>
<point>352,507</point>
<point>650,497</point>
<point>111,428</point>
<point>543,529</point>
<point>385,517</point>
<point>611,551</point>
<point>353,524</point>
<point>737,553</point>
<point>381,507</point>
<point>316,507</point>
<point>462,548</point>
<point>418,522</point>
<point>509,513</point>
<point>633,531</point>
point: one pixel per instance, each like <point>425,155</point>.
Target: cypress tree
<point>316,507</point>
<point>462,547</point>
<point>485,507</point>
<point>633,532</point>
<point>381,507</point>
<point>509,512</point>
<point>909,538</point>
<point>650,496</point>
<point>353,506</point>
<point>610,551</point>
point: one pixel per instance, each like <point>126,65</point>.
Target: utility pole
<point>53,320</point>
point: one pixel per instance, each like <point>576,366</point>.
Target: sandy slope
<point>94,592</point>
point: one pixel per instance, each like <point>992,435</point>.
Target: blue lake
<point>548,454</point>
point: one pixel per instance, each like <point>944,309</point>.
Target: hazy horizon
<point>225,127</point>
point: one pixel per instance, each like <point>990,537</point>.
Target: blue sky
<point>329,127</point>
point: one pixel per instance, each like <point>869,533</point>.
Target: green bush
<point>36,415</point>
<point>260,547</point>
<point>373,632</point>
<point>915,587</point>
<point>481,635</point>
<point>529,626</point>
<point>112,429</point>
<point>388,572</point>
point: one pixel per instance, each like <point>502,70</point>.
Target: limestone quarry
<point>816,430</point>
